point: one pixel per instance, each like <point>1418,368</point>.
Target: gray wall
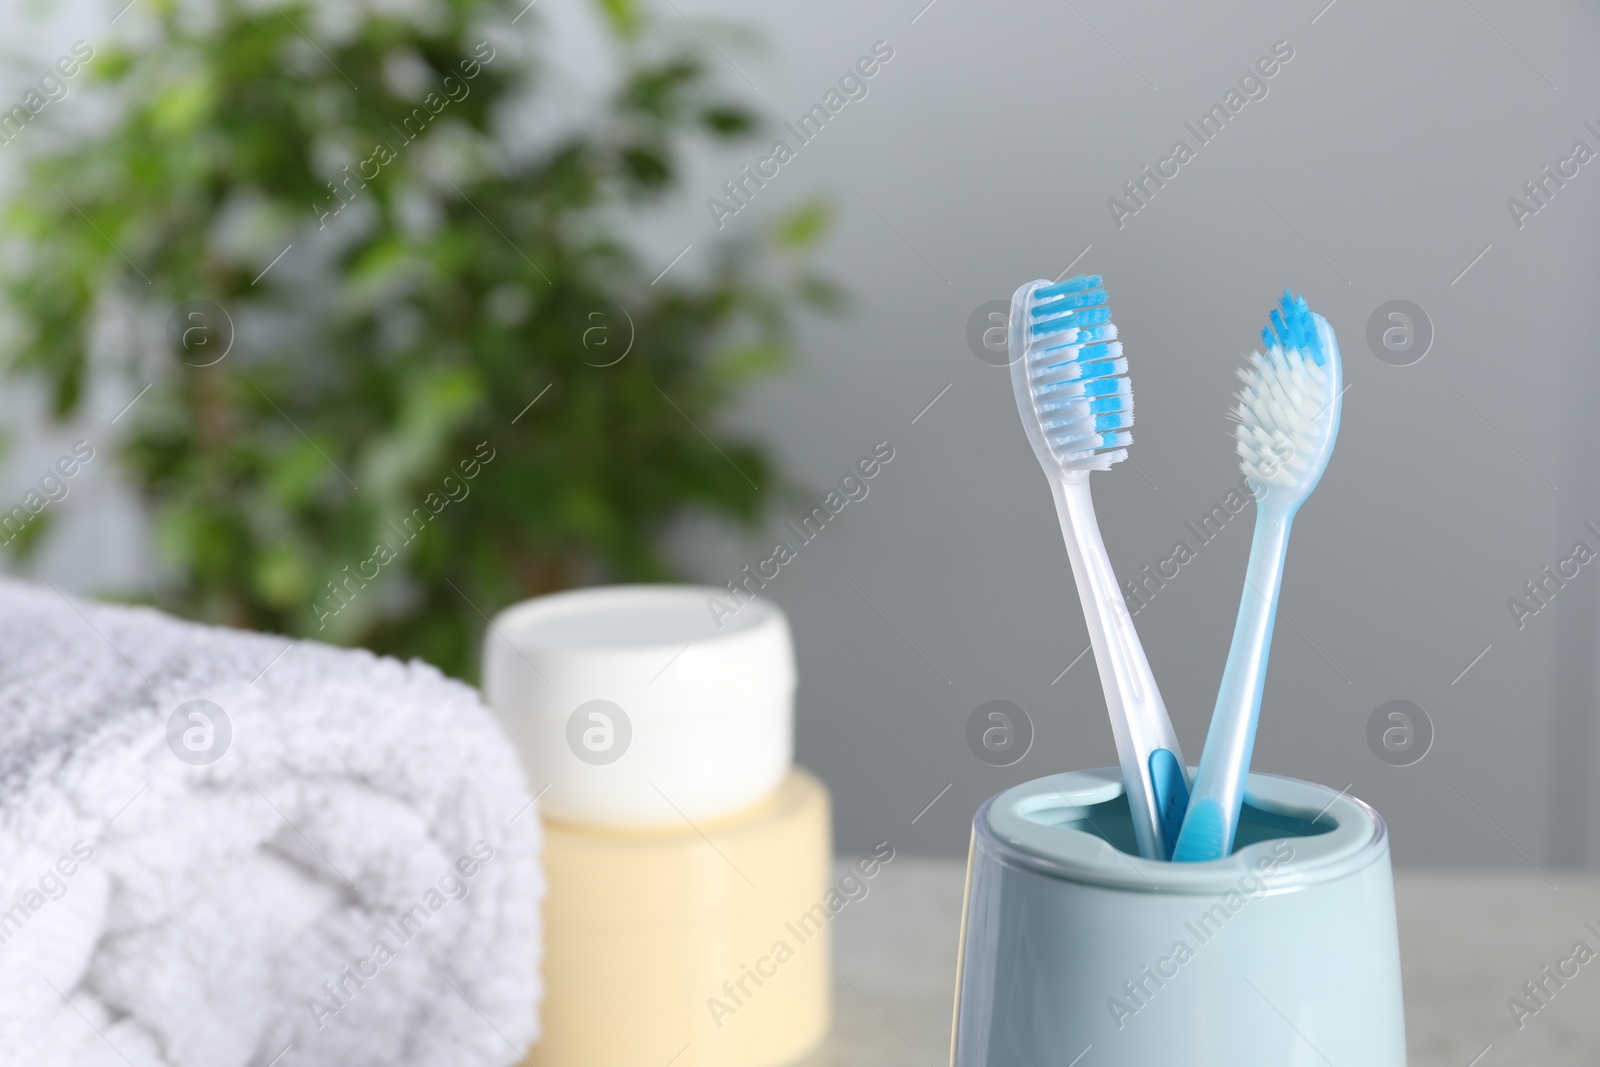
<point>1377,168</point>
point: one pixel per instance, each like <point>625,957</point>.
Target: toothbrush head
<point>1069,376</point>
<point>1288,407</point>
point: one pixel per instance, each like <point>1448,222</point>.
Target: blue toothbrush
<point>1288,414</point>
<point>1071,385</point>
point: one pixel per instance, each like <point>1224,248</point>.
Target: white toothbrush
<point>1288,413</point>
<point>1072,390</point>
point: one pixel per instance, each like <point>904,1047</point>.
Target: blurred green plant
<point>443,273</point>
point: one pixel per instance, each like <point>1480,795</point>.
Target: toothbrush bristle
<point>1288,406</point>
<point>1077,375</point>
<point>1295,328</point>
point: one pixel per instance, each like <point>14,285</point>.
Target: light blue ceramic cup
<point>1076,951</point>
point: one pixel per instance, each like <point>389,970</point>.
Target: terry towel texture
<point>354,881</point>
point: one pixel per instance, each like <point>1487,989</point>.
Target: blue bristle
<point>1076,318</point>
<point>1077,371</point>
<point>1088,298</point>
<point>1071,285</point>
<point>1079,319</point>
<point>1079,362</point>
<point>1293,327</point>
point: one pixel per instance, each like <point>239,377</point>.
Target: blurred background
<point>287,287</point>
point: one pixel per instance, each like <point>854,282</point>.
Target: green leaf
<point>183,105</point>
<point>740,362</point>
<point>622,14</point>
<point>646,167</point>
<point>296,474</point>
<point>802,227</point>
<point>820,293</point>
<point>727,121</point>
<point>283,575</point>
<point>25,542</point>
<point>110,64</point>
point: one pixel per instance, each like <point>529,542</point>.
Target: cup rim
<point>1010,823</point>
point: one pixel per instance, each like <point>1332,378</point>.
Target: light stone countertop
<point>1468,940</point>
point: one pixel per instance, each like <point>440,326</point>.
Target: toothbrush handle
<point>1213,818</point>
<point>1138,717</point>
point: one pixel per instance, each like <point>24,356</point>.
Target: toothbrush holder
<point>1286,952</point>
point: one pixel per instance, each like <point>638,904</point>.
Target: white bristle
<point>1287,413</point>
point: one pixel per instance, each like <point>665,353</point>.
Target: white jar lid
<point>637,705</point>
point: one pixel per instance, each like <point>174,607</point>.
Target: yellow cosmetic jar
<point>686,918</point>
<point>702,946</point>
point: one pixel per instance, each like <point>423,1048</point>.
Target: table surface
<point>1468,941</point>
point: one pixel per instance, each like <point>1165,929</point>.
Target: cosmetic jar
<point>666,946</point>
<point>637,705</point>
<point>686,858</point>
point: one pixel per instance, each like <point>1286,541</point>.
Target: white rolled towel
<point>330,859</point>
